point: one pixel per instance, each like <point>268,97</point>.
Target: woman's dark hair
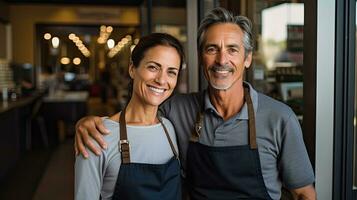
<point>152,40</point>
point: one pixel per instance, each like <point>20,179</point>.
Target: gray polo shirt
<point>283,156</point>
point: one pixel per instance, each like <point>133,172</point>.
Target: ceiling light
<point>110,43</point>
<point>55,42</point>
<point>103,28</point>
<point>109,29</point>
<point>65,61</point>
<point>76,61</point>
<point>71,36</point>
<point>47,36</point>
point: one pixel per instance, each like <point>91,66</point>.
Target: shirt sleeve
<point>294,164</point>
<point>88,177</point>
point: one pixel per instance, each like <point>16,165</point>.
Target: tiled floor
<point>57,181</point>
<point>22,181</point>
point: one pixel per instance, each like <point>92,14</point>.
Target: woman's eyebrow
<point>159,65</point>
<point>173,68</point>
<point>156,63</point>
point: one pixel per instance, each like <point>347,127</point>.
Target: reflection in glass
<point>278,67</point>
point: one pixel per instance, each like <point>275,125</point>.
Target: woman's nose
<point>160,77</point>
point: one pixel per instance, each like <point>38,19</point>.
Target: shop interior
<point>61,60</point>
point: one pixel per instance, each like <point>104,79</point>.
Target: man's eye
<point>233,50</point>
<point>211,50</point>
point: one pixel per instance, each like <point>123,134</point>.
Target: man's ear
<point>248,60</point>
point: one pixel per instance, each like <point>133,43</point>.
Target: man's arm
<point>294,165</point>
<point>304,193</point>
<point>87,128</point>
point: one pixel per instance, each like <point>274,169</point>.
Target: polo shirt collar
<point>243,114</point>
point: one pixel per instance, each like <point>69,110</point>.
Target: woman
<point>141,161</point>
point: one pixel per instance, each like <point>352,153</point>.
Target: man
<point>234,142</point>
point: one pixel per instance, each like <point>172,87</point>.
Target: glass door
<point>345,144</point>
<point>354,118</point>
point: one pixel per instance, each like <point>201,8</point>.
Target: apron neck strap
<point>168,138</point>
<point>251,121</point>
<point>124,143</point>
<point>195,135</point>
<point>196,131</point>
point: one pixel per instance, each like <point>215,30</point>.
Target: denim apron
<point>146,181</point>
<point>230,172</point>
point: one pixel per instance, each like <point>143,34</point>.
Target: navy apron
<point>138,181</point>
<point>231,172</point>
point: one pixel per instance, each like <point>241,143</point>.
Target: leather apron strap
<point>124,143</point>
<point>251,121</point>
<point>169,139</point>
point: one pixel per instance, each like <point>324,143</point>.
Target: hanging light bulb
<point>110,43</point>
<point>55,42</point>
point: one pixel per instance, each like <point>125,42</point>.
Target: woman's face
<point>156,76</point>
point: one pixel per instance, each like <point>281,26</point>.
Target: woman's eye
<point>152,68</point>
<point>173,73</point>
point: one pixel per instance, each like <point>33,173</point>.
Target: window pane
<point>278,67</point>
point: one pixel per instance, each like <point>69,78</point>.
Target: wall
<point>4,17</point>
<point>23,19</point>
<point>4,11</point>
<point>169,16</point>
<point>3,45</point>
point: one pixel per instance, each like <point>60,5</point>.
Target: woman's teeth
<point>157,90</point>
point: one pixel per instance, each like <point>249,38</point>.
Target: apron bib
<point>231,172</point>
<point>138,181</point>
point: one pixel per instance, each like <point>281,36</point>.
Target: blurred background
<point>61,60</point>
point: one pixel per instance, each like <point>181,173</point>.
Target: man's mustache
<point>221,68</point>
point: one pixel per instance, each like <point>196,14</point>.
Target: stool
<point>35,116</point>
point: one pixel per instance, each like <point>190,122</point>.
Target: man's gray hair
<point>221,15</point>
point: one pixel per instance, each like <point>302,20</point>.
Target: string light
<point>78,42</point>
<point>121,44</point>
<point>47,36</point>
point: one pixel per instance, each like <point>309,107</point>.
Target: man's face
<point>223,56</point>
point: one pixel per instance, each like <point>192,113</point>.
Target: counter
<point>13,116</point>
<point>62,110</point>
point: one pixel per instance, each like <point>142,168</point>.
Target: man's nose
<point>221,58</point>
